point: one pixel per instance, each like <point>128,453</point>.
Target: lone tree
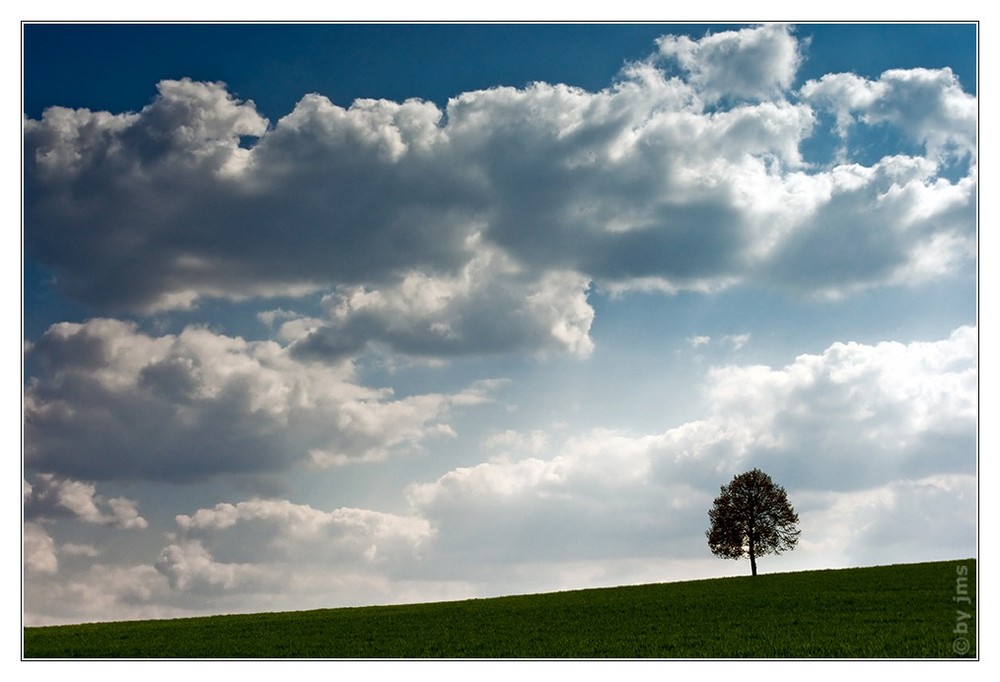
<point>752,517</point>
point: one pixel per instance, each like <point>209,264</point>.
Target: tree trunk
<point>753,562</point>
<point>752,551</point>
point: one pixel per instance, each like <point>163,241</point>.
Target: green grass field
<point>901,611</point>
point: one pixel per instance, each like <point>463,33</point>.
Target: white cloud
<point>292,551</point>
<point>109,401</point>
<point>906,227</point>
<point>489,306</point>
<point>39,549</point>
<point>905,520</point>
<point>856,415</point>
<point>342,531</point>
<point>51,497</point>
<point>928,105</point>
<point>753,63</point>
<point>189,566</point>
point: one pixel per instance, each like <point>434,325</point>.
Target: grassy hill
<point>900,611</point>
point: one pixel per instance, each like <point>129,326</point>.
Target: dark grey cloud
<point>158,208</point>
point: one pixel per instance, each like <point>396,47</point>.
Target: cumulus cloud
<point>258,554</point>
<point>39,549</point>
<point>875,444</point>
<point>904,520</point>
<point>906,226</point>
<point>484,308</point>
<point>434,230</point>
<point>269,545</point>
<point>181,210</point>
<point>109,401</point>
<point>891,422</point>
<point>587,497</point>
<point>751,63</point>
<point>855,416</point>
<point>927,105</point>
<point>190,566</point>
<point>52,497</point>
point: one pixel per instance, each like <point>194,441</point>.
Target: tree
<point>752,517</point>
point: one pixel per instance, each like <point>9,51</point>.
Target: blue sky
<point>334,315</point>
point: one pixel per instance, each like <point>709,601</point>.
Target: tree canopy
<point>752,517</point>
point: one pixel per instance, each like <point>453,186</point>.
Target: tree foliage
<point>752,517</point>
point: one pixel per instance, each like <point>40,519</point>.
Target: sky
<point>332,315</point>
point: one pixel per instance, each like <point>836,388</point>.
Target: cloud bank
<point>439,231</point>
<point>871,441</point>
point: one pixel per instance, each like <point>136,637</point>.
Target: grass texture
<point>900,611</point>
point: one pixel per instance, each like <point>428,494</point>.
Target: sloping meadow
<point>923,610</point>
